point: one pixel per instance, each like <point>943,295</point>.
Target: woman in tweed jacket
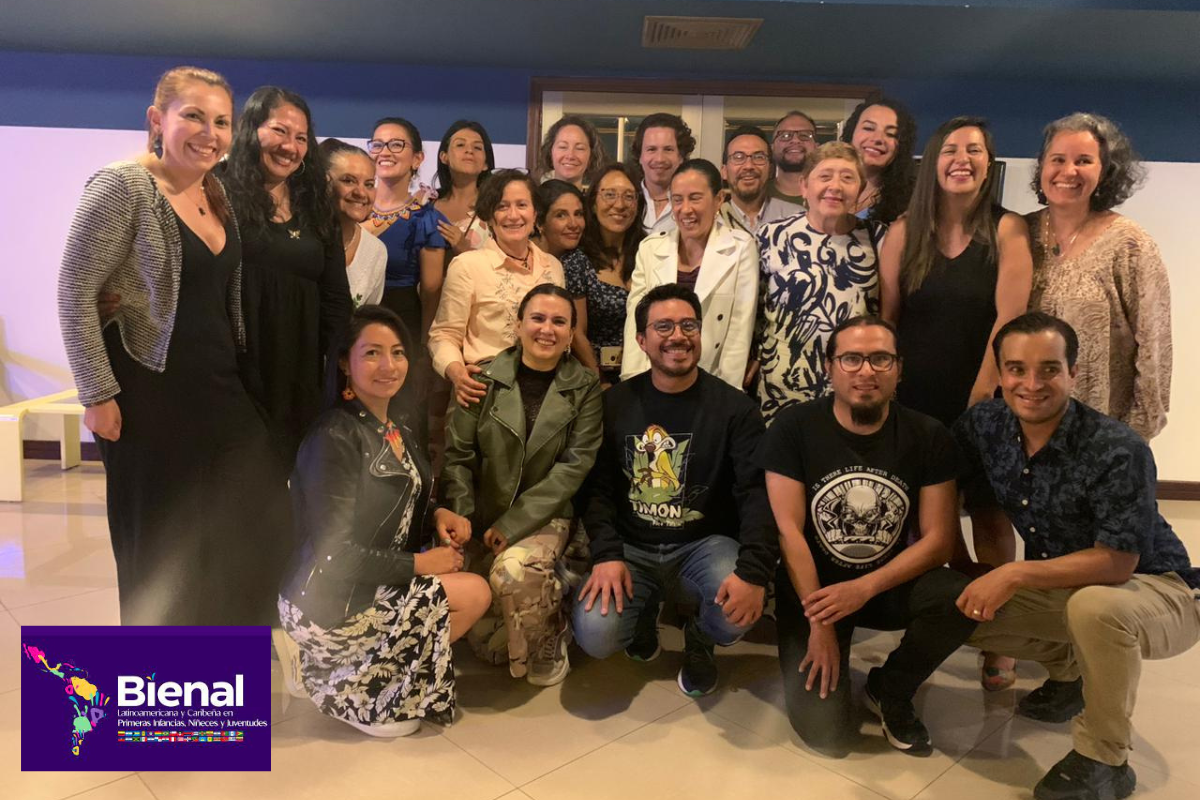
<point>192,507</point>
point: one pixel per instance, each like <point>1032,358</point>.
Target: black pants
<point>933,629</point>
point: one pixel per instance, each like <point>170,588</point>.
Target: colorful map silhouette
<point>88,701</point>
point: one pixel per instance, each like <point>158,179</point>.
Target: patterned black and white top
<point>1092,483</point>
<point>125,240</point>
<point>605,306</point>
<point>810,282</point>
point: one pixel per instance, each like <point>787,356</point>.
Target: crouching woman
<point>371,612</point>
<point>514,461</point>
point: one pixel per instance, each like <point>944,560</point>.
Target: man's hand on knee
<point>609,579</point>
<point>742,602</point>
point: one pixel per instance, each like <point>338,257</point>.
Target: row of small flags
<point>179,736</point>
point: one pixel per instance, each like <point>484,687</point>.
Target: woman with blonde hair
<point>571,151</point>
<point>195,511</point>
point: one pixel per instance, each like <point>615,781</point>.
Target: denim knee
<point>597,635</point>
<point>716,626</point>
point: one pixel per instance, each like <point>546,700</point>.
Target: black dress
<point>295,298</point>
<point>944,330</point>
<point>199,521</point>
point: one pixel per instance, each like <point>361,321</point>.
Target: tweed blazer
<point>125,239</point>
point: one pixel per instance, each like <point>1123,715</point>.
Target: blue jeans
<point>694,569</point>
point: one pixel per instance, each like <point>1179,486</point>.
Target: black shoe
<point>698,675</point>
<point>901,725</point>
<point>1078,777</point>
<point>1053,701</point>
<point>644,646</point>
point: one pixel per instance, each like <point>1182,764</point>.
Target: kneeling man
<point>675,503</point>
<point>1105,581</point>
<point>864,495</point>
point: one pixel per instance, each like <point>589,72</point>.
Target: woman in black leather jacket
<point>369,614</point>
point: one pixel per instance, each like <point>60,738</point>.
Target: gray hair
<point>1122,172</point>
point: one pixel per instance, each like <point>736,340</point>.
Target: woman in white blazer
<point>717,262</point>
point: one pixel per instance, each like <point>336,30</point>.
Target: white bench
<point>12,447</point>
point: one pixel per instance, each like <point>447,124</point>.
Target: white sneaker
<point>387,730</point>
<point>549,664</point>
<point>289,662</point>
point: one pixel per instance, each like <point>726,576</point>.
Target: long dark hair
<point>592,243</point>
<point>445,185</point>
<point>897,184</point>
<point>920,226</point>
<point>308,187</point>
<point>336,380</point>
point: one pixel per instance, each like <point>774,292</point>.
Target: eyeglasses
<point>880,362</point>
<point>376,146</point>
<point>665,327</point>
<point>803,136</point>
<point>612,196</point>
<point>757,159</point>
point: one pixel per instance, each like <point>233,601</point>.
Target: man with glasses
<point>863,491</point>
<point>746,166</point>
<point>676,508</point>
<point>794,137</point>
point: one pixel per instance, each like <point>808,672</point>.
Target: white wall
<point>42,185</point>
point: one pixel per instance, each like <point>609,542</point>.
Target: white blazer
<point>728,291</point>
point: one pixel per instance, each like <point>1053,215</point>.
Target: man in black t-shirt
<point>675,502</point>
<point>864,495</point>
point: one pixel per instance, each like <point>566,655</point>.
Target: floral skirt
<point>388,663</point>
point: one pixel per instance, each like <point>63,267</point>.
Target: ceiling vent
<point>699,33</point>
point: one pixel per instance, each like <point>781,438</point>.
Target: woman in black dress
<point>195,513</point>
<point>953,271</point>
<point>296,292</point>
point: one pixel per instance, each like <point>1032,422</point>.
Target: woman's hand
<point>438,561</point>
<point>452,529</point>
<point>467,390</point>
<point>107,304</point>
<point>104,420</point>
<point>453,236</point>
<point>495,540</point>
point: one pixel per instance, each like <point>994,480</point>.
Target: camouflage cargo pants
<point>527,596</point>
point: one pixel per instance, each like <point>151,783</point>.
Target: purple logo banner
<point>145,698</point>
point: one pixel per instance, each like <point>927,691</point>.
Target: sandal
<point>996,679</point>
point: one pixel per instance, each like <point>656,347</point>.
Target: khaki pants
<point>527,598</point>
<point>1101,633</point>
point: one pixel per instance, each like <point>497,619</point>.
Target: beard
<point>784,166</point>
<point>868,414</point>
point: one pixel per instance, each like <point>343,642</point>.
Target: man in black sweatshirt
<point>676,505</point>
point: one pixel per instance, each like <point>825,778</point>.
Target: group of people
<point>528,412</point>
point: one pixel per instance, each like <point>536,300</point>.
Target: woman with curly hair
<point>296,294</point>
<point>1101,272</point>
<point>571,152</point>
<point>884,133</point>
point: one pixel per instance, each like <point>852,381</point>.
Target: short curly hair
<point>1122,172</point>
<point>596,160</point>
<point>492,192</point>
<point>684,139</point>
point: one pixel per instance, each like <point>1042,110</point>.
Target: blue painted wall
<point>91,91</point>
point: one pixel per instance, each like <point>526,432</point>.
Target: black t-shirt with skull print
<point>862,492</point>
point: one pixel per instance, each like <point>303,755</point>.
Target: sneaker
<point>1053,701</point>
<point>901,726</point>
<point>645,646</point>
<point>549,664</point>
<point>1078,777</point>
<point>698,675</point>
<point>387,730</point>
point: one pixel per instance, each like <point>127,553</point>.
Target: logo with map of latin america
<point>82,708</point>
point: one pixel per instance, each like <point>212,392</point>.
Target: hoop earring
<point>303,165</point>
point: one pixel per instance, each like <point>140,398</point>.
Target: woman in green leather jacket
<point>513,464</point>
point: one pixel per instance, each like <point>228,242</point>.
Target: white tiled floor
<point>614,729</point>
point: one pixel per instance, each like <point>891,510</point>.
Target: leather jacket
<point>495,476</point>
<point>349,492</point>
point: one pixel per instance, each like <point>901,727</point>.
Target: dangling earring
<point>348,393</point>
<point>158,145</point>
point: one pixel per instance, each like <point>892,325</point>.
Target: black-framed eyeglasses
<point>665,327</point>
<point>376,146</point>
<point>880,362</point>
<point>757,159</point>
<point>803,136</point>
